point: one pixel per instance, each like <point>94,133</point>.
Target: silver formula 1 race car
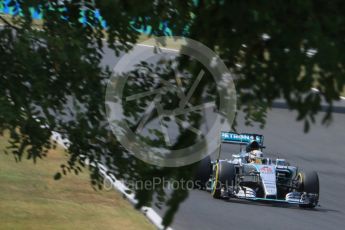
<point>251,176</point>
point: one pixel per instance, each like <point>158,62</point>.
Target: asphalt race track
<point>322,149</point>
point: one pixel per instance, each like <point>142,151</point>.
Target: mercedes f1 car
<point>251,176</point>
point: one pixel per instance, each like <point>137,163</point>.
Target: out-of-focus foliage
<point>53,80</point>
<point>278,49</point>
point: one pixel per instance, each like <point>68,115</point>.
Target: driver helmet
<point>253,145</point>
<point>255,154</point>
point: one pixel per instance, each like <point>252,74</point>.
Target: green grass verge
<point>31,199</point>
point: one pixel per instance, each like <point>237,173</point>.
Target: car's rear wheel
<point>224,175</point>
<point>309,183</point>
<point>203,173</point>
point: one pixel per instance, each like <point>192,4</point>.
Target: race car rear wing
<point>241,138</point>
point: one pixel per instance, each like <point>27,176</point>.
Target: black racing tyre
<point>309,184</point>
<point>223,176</point>
<point>203,173</point>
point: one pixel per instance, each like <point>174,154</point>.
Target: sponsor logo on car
<point>229,136</point>
<point>266,170</point>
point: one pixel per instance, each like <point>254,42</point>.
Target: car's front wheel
<point>223,176</point>
<point>309,183</point>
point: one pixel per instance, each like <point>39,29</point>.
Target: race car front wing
<point>291,198</point>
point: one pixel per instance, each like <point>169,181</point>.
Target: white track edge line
<point>159,47</point>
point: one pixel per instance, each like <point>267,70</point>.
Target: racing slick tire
<point>223,176</point>
<point>203,173</point>
<point>310,184</point>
